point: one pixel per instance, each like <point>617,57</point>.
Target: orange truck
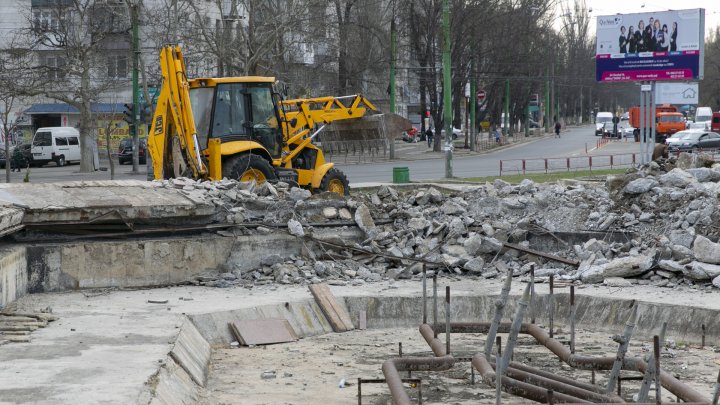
<point>668,120</point>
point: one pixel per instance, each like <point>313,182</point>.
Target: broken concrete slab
<point>262,331</point>
<point>122,200</point>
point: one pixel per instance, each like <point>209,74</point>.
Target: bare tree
<point>82,49</point>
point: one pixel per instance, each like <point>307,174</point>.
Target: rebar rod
<point>532,293</point>
<point>658,384</point>
<point>499,309</point>
<point>435,304</point>
<point>424,284</point>
<point>515,329</point>
<point>551,314</point>
<point>716,392</point>
<point>447,320</point>
<point>623,343</point>
<point>649,375</point>
<point>572,319</point>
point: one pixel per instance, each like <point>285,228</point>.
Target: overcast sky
<point>609,7</point>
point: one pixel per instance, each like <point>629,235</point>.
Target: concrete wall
<point>151,262</point>
<point>13,274</point>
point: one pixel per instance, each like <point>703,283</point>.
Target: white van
<point>55,144</point>
<point>703,115</point>
<point>600,119</point>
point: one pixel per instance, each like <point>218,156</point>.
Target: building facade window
<point>48,19</point>
<point>117,66</point>
<point>54,67</point>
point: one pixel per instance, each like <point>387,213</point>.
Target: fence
<point>539,165</point>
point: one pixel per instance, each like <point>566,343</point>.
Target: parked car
<point>56,144</point>
<point>675,138</point>
<point>125,150</point>
<point>455,133</point>
<point>623,130</point>
<point>694,140</point>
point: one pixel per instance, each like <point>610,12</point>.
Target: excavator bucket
<point>370,134</point>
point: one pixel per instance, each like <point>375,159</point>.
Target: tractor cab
<point>237,109</point>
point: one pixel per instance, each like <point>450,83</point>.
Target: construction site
<point>185,291</point>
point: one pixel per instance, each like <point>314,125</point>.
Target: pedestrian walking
<point>429,136</point>
<point>557,128</point>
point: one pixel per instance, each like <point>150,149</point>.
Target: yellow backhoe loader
<point>241,128</point>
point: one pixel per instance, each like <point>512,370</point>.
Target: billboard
<point>676,93</point>
<point>663,45</point>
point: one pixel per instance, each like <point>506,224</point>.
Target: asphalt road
<point>571,143</point>
<point>430,167</point>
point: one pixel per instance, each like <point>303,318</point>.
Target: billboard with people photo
<point>663,45</point>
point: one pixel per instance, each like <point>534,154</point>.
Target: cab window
<point>42,139</point>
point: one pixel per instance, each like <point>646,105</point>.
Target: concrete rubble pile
<point>664,212</point>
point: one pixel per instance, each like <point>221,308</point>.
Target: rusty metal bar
<point>669,382</point>
<point>541,254</point>
<point>435,304</point>
<point>658,384</point>
<point>572,319</point>
<point>424,283</point>
<point>716,392</point>
<point>516,326</point>
<point>391,370</point>
<point>551,315</point>
<point>362,381</point>
<point>447,320</point>
<point>516,387</point>
<point>532,293</point>
<point>499,346</point>
<point>623,343</point>
<point>702,342</point>
<point>649,375</point>
<point>553,376</point>
<point>499,310</point>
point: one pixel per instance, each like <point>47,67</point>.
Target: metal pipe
<point>623,343</point>
<point>515,328</point>
<point>550,397</point>
<point>359,391</point>
<point>391,370</point>
<point>551,315</point>
<point>649,375</point>
<point>516,387</point>
<point>553,376</point>
<point>447,320</point>
<point>499,309</point>
<point>572,319</point>
<point>716,392</point>
<point>702,343</point>
<point>669,382</point>
<point>499,346</point>
<point>424,283</point>
<point>658,384</point>
<point>435,304</point>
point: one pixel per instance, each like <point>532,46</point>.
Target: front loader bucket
<point>369,134</point>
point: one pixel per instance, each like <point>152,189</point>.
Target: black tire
<point>60,161</point>
<point>335,181</point>
<point>249,167</point>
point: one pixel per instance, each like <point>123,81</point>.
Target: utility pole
<point>546,106</point>
<point>393,51</point>
<point>135,88</point>
<point>506,109</point>
<point>447,89</point>
<point>473,105</point>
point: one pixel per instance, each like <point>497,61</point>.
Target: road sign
<point>481,95</point>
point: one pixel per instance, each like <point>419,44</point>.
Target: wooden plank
<point>335,313</point>
<point>362,320</point>
<point>263,331</point>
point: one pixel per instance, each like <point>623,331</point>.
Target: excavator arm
<point>303,115</point>
<point>172,143</point>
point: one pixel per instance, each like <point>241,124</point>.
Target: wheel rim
<point>253,175</point>
<point>336,186</point>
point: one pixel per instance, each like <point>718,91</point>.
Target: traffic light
<point>146,113</point>
<point>427,113</point>
<point>129,113</point>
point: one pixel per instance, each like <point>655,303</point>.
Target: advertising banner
<point>676,93</point>
<point>663,45</point>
